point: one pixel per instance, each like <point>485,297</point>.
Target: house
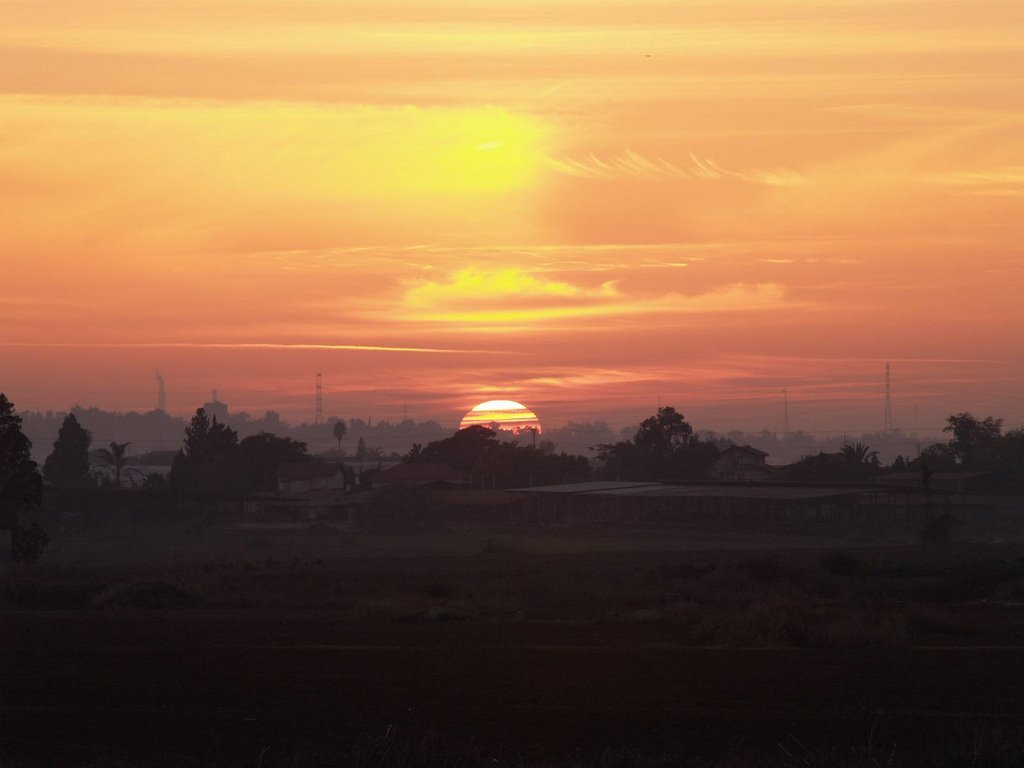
<point>971,482</point>
<point>420,474</point>
<point>744,506</point>
<point>294,478</point>
<point>741,463</point>
<point>332,505</point>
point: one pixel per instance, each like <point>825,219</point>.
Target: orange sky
<point>584,205</point>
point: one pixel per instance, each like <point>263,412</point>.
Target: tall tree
<point>461,451</point>
<point>975,443</point>
<point>115,457</point>
<point>259,457</point>
<point>21,487</point>
<point>664,447</point>
<point>859,461</point>
<point>68,464</point>
<point>209,459</point>
<point>664,432</point>
<point>338,430</point>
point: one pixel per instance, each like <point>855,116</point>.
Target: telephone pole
<point>888,402</point>
<point>318,413</point>
<point>161,393</point>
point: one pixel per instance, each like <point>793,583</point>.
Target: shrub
<point>841,564</point>
<point>27,544</point>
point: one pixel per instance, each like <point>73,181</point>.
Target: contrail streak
<point>251,345</point>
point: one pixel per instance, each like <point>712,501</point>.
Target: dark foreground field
<point>194,689</point>
<point>796,657</point>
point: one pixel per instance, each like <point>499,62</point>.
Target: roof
<point>306,470</point>
<point>916,478</point>
<point>475,497</point>
<point>415,473</point>
<point>789,491</point>
<point>588,487</point>
<point>739,491</point>
<point>745,449</point>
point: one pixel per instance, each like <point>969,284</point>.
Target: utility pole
<point>161,393</point>
<point>785,413</point>
<point>888,402</point>
<point>318,412</point>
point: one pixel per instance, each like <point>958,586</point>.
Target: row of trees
<point>213,459</point>
<point>21,486</point>
<point>478,451</point>
<point>977,445</point>
<point>664,447</point>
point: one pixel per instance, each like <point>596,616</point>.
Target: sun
<point>504,415</point>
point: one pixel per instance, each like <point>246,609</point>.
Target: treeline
<point>212,458</point>
<point>503,464</point>
<point>159,433</point>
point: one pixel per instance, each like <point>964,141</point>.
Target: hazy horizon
<point>584,205</point>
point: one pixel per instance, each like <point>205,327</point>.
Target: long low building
<point>701,504</point>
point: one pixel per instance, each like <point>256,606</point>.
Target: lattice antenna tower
<point>888,400</point>
<point>318,413</point>
<point>161,393</point>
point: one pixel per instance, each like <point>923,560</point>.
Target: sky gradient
<point>591,207</point>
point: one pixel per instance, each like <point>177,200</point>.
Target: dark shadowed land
<point>305,645</point>
<point>679,602</point>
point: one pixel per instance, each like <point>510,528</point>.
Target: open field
<point>493,647</point>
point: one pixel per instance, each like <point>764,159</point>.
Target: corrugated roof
<point>306,470</point>
<point>418,474</point>
<point>738,491</point>
<point>588,487</point>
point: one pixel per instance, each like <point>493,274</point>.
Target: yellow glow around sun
<point>504,415</point>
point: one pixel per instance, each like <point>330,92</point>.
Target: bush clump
<point>841,564</point>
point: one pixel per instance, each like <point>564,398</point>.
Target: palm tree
<point>339,431</point>
<point>858,457</point>
<point>116,456</point>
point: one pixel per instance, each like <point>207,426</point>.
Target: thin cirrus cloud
<point>472,298</point>
<point>633,165</point>
<point>626,193</point>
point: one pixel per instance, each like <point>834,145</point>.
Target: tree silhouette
<point>259,457</point>
<point>115,457</point>
<point>68,464</point>
<point>338,430</point>
<point>21,487</point>
<point>664,447</point>
<point>664,432</point>
<point>859,460</point>
<point>209,459</point>
<point>975,443</point>
<point>461,451</point>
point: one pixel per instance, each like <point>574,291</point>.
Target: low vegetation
<point>803,598</point>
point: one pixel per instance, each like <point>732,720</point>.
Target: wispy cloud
<point>471,298</point>
<point>633,165</point>
<point>994,182</point>
<point>473,287</point>
<point>253,345</point>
